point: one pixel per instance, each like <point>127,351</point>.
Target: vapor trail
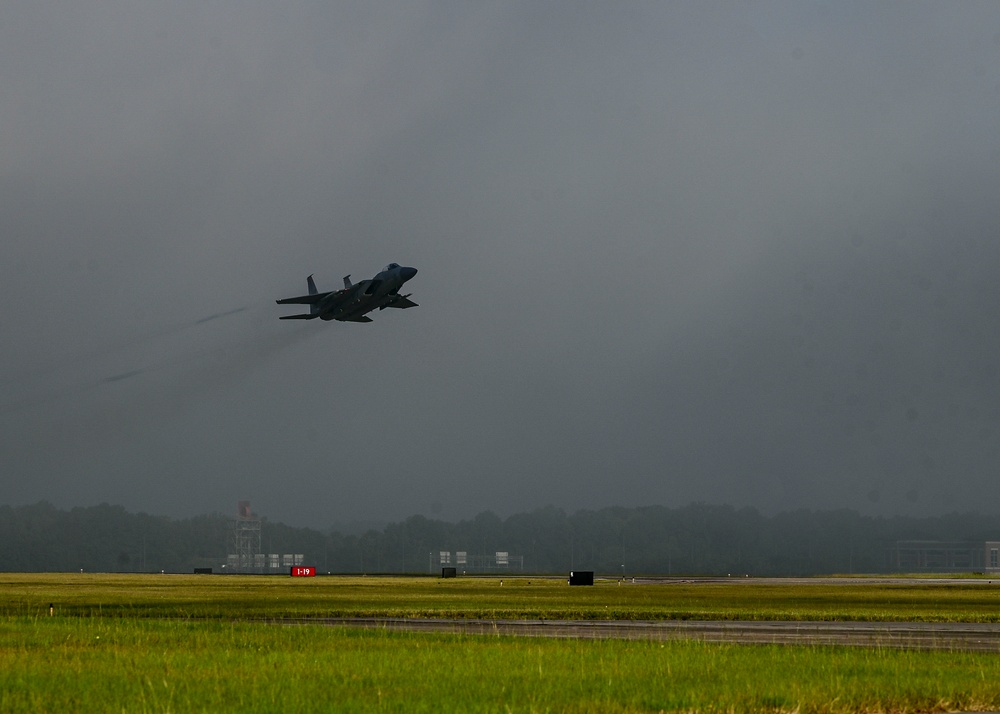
<point>41,383</point>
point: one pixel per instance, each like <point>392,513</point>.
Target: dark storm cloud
<point>667,253</point>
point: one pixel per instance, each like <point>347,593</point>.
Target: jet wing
<point>338,296</point>
<point>304,299</point>
<point>328,301</point>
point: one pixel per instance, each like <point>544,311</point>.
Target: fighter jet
<point>356,299</point>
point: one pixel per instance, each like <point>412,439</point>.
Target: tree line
<point>697,539</point>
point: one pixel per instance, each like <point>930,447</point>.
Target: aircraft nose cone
<point>407,273</point>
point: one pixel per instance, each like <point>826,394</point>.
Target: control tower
<point>244,541</point>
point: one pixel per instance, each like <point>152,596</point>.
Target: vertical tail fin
<point>314,308</point>
<point>347,281</point>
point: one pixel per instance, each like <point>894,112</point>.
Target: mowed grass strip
<point>105,664</point>
<point>276,597</point>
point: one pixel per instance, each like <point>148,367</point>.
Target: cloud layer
<point>667,253</point>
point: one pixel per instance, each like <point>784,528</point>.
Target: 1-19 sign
<point>303,572</point>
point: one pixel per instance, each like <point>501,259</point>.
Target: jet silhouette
<point>355,300</point>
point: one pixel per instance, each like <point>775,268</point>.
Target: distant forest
<point>693,540</point>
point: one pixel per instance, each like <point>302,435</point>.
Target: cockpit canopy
<point>390,266</point>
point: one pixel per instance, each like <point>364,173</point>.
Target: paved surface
<point>974,637</point>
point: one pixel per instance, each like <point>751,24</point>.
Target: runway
<point>969,637</point>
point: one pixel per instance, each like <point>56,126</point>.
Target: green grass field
<point>187,643</point>
<point>243,597</point>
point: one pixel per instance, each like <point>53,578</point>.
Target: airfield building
<point>464,562</point>
<point>935,556</point>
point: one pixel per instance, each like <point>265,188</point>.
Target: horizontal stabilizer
<point>306,316</point>
<point>303,299</point>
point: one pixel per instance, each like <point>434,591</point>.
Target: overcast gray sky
<point>668,252</point>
